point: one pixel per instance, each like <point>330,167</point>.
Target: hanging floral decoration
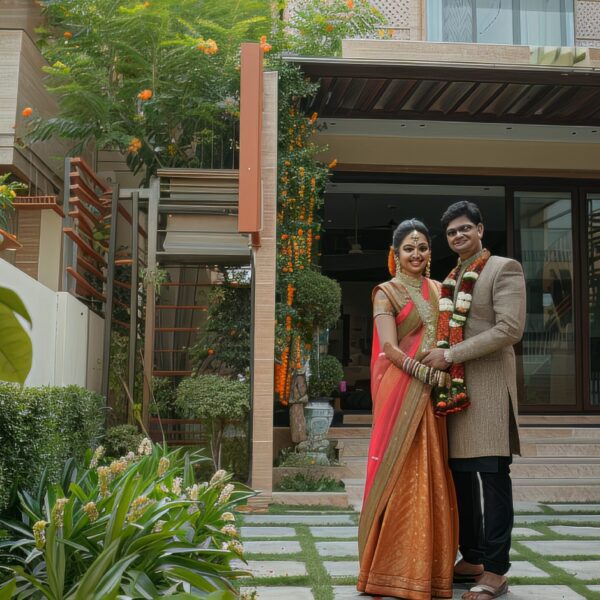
<point>450,331</point>
<point>302,180</point>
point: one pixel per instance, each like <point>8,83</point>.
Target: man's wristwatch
<point>448,356</point>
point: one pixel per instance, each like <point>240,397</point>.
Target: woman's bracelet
<point>414,368</point>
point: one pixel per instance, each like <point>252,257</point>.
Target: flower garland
<point>450,332</point>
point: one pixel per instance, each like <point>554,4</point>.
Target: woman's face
<point>414,253</point>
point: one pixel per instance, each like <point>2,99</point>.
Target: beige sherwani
<point>495,323</point>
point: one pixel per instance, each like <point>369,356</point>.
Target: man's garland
<point>450,332</point>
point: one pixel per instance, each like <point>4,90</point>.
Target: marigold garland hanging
<point>450,332</point>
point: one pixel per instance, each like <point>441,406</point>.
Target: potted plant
<point>324,379</point>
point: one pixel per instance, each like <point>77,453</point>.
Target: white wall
<point>60,333</point>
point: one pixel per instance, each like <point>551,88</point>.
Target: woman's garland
<point>450,332</point>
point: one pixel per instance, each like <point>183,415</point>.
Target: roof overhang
<point>375,89</point>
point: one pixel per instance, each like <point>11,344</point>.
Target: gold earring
<point>398,265</point>
<point>428,268</point>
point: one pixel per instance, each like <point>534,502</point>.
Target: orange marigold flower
<point>210,351</point>
<point>134,145</point>
<point>27,111</point>
<point>263,39</point>
<point>329,28</point>
<point>145,95</point>
<point>313,117</point>
<point>146,4</point>
<point>333,164</point>
<point>208,46</point>
<point>67,35</point>
<point>350,4</point>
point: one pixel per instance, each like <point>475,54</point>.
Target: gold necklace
<point>413,286</point>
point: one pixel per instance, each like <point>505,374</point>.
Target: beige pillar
<point>264,305</point>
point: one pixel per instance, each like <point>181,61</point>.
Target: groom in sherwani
<point>483,438</point>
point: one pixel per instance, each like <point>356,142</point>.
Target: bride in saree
<point>408,531</point>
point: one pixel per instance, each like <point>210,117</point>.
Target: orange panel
<point>251,90</point>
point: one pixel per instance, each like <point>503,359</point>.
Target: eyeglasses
<point>462,229</point>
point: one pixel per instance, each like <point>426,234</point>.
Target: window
<point>528,22</point>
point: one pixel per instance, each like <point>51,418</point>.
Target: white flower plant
<point>139,526</point>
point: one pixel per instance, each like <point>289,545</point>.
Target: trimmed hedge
<point>42,427</point>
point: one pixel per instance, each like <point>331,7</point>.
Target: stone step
<point>559,433</point>
<point>576,420</point>
<point>355,467</point>
<point>547,470</point>
<point>355,447</point>
<point>361,419</point>
<point>339,433</point>
<point>559,492</point>
<point>570,447</point>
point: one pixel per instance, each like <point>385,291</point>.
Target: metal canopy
<point>453,92</point>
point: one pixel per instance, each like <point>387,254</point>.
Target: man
<point>482,437</point>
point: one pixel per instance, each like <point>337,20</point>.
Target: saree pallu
<point>408,531</point>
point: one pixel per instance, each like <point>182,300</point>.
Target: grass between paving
<point>321,583</point>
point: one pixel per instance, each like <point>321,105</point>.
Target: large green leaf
<point>12,300</point>
<point>7,591</point>
<point>15,346</point>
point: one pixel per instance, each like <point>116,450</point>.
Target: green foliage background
<point>114,50</point>
<point>41,428</point>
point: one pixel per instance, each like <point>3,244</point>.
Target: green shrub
<point>304,482</point>
<point>121,439</point>
<point>40,429</point>
<point>318,298</point>
<point>164,392</point>
<point>140,527</point>
<point>215,400</point>
<point>326,374</point>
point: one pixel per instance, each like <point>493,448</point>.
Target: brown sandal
<point>488,591</point>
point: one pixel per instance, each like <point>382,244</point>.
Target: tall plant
<point>139,527</point>
<point>315,28</point>
<point>156,80</point>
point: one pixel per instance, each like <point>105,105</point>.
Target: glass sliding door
<point>593,265</point>
<point>543,235</point>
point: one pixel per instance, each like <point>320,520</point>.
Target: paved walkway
<point>313,556</point>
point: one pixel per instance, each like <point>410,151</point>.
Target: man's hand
<point>435,358</point>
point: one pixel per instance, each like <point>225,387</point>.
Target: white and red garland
<point>450,331</point>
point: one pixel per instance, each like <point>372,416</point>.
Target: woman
<point>408,532</point>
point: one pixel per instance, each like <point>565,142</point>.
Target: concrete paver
<point>342,568</point>
<point>279,592</point>
<point>329,519</point>
<point>519,519</point>
<point>267,532</point>
<point>334,532</point>
<point>528,507</point>
<point>564,547</point>
<point>574,507</point>
<point>523,568</point>
<point>272,547</point>
<point>516,592</point>
<point>337,548</point>
<point>582,569</point>
<point>271,568</point>
<point>525,532</point>
<point>578,531</point>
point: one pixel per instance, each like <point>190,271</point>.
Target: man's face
<point>464,237</point>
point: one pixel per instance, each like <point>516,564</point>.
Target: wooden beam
<point>83,245</point>
<point>81,164</point>
<point>85,284</point>
<point>250,192</point>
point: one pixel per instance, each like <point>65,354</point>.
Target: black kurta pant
<point>484,534</point>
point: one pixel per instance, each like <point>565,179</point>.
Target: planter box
<point>316,471</point>
<point>338,499</point>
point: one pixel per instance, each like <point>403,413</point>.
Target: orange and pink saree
<point>408,531</point>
